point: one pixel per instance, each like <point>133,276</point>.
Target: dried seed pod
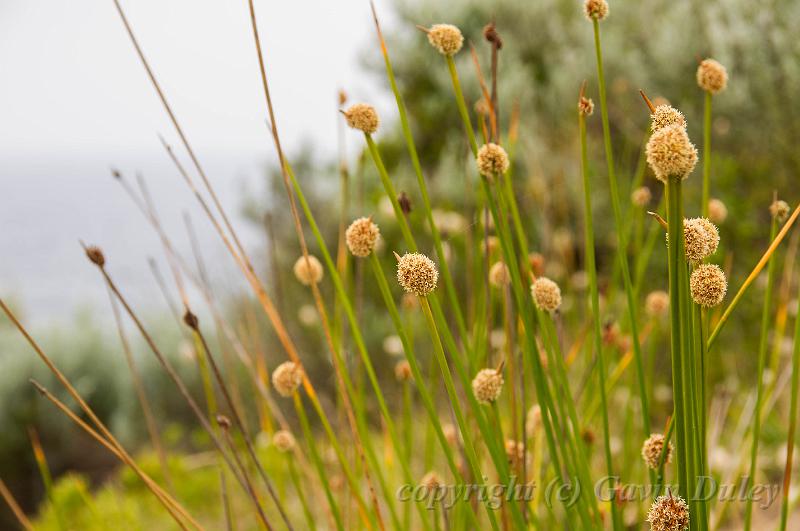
<point>363,117</point>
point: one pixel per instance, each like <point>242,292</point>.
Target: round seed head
<point>515,451</point>
<point>492,160</point>
<point>712,76</point>
<point>652,448</point>
<point>450,434</point>
<point>308,271</point>
<point>712,234</point>
<point>96,256</point>
<point>533,420</point>
<point>481,107</point>
<point>669,513</point>
<point>430,481</point>
<point>717,211</point>
<point>696,241</point>
<point>283,441</point>
<point>287,377</point>
<point>585,106</point>
<point>402,371</point>
<point>666,115</point>
<point>670,153</point>
<point>546,294</point>
<point>657,303</point>
<point>487,385</point>
<point>417,274</point>
<point>595,9</point>
<point>779,210</point>
<point>361,236</point>
<point>708,285</point>
<point>499,275</point>
<point>446,38</point>
<point>362,117</point>
<point>641,197</point>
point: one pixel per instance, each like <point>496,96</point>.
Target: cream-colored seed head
<point>696,245</point>
<point>641,197</point>
<point>446,38</point>
<point>283,441</point>
<point>669,513</point>
<point>361,236</point>
<point>652,448</point>
<point>499,275</point>
<point>431,481</point>
<point>717,211</point>
<point>595,9</point>
<point>492,160</point>
<point>450,434</point>
<point>670,153</point>
<point>308,271</point>
<point>585,106</point>
<point>417,274</point>
<point>712,234</point>
<point>287,377</point>
<point>362,117</point>
<point>664,116</point>
<point>487,385</point>
<point>402,371</point>
<point>657,303</point>
<point>533,420</point>
<point>515,451</point>
<point>779,210</point>
<point>546,294</point>
<point>712,76</point>
<point>708,285</point>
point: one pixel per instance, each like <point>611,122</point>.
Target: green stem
<point>787,474</point>
<point>299,492</point>
<point>621,237</point>
<point>315,457</point>
<point>675,263</point>
<point>766,313</point>
<point>706,154</point>
<point>437,239</point>
<point>462,106</point>
<point>591,268</point>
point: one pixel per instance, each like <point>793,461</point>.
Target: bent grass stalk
<point>765,259</point>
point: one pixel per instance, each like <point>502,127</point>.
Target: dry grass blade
<point>84,406</point>
<point>156,489</point>
<point>19,514</point>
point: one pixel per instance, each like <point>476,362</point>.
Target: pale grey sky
<point>74,100</point>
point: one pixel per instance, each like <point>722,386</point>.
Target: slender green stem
<point>462,106</point>
<point>675,263</point>
<point>591,268</point>
<point>315,457</point>
<point>766,314</point>
<point>299,492</point>
<point>438,349</point>
<point>621,236</point>
<point>408,348</point>
<point>706,154</point>
<point>426,202</point>
<point>787,474</point>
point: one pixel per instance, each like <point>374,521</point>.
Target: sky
<point>75,101</point>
